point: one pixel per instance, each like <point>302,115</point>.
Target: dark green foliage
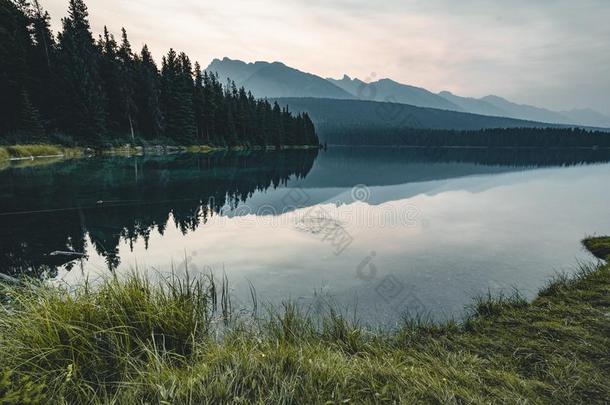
<point>356,122</point>
<point>14,43</point>
<point>82,98</point>
<point>498,137</point>
<point>177,101</point>
<point>148,96</point>
<point>82,92</point>
<point>29,127</point>
<point>42,55</point>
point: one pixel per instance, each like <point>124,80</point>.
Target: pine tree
<point>199,104</point>
<point>177,98</point>
<point>110,74</point>
<point>42,64</point>
<point>277,130</point>
<point>128,89</point>
<point>82,99</point>
<point>43,37</point>
<point>147,98</point>
<point>188,134</point>
<point>14,78</point>
<point>29,129</point>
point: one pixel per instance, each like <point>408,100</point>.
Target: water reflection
<point>53,208</point>
<point>423,228</point>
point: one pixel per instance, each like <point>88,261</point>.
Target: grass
<point>134,341</point>
<point>30,151</point>
<point>202,149</point>
<point>599,246</point>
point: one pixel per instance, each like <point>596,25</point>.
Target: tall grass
<point>176,341</point>
<point>98,337</point>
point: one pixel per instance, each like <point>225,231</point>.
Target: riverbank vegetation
<point>599,246</point>
<point>132,340</point>
<point>72,90</point>
<point>31,151</point>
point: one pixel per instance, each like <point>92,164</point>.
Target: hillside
<point>328,115</point>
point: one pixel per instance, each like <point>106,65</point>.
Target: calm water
<point>383,231</point>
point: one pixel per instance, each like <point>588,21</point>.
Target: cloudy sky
<point>552,53</point>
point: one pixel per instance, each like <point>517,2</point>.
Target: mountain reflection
<point>87,205</point>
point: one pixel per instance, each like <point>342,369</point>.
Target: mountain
<point>588,116</point>
<point>388,90</point>
<point>275,79</point>
<point>332,116</point>
<point>498,106</point>
<point>473,105</point>
<point>526,112</point>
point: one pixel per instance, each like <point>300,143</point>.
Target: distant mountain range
<point>276,80</point>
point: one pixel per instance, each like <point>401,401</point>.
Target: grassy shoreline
<point>30,152</point>
<point>23,152</point>
<point>131,342</point>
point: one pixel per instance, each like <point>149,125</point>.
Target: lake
<point>378,232</point>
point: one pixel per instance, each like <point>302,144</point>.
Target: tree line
<point>494,137</point>
<point>73,89</point>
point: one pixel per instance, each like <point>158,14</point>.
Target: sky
<point>549,53</point>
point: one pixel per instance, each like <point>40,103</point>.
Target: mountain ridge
<point>388,90</point>
<point>277,80</point>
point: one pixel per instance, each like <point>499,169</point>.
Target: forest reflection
<point>53,209</point>
<point>96,204</point>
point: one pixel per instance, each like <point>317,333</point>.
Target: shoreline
<point>17,153</point>
<point>131,341</point>
<point>591,148</point>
